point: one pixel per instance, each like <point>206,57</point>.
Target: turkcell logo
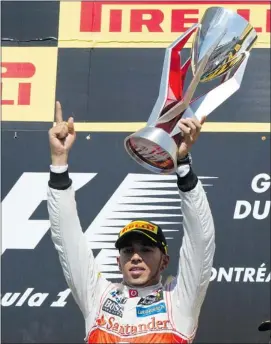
<point>155,309</point>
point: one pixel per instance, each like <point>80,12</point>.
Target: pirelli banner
<point>103,61</point>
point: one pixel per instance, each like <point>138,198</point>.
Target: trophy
<point>220,50</point>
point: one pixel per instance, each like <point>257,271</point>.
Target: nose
<point>136,258</point>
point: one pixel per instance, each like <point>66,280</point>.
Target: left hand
<point>190,128</point>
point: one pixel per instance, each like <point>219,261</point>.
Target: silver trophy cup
<point>220,49</point>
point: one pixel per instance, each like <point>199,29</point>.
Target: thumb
<point>71,125</point>
<point>202,121</point>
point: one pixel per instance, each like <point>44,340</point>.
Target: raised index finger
<point>58,112</point>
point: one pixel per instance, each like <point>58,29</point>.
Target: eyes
<point>130,250</point>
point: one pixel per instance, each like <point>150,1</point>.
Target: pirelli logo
<point>28,81</point>
<point>139,225</point>
<point>148,24</point>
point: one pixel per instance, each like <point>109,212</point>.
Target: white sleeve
<point>77,260</point>
<point>196,257</point>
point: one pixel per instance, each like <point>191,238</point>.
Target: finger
<point>184,128</point>
<point>195,121</point>
<point>59,117</point>
<point>202,121</point>
<point>71,125</point>
<point>190,124</point>
<point>197,125</point>
<point>62,135</point>
<point>60,130</point>
<point>195,132</point>
<point>63,130</point>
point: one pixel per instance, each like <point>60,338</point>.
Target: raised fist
<point>190,129</point>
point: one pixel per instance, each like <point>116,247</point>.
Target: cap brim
<point>121,241</point>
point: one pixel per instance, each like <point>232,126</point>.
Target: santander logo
<point>101,321</point>
<point>113,325</point>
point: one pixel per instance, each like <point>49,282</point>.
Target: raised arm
<point>197,249</point>
<point>198,243</point>
<point>77,261</point>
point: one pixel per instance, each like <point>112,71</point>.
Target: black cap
<point>265,326</point>
<point>146,228</point>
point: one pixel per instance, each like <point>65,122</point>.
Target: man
<point>140,309</point>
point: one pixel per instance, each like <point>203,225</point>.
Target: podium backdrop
<point>103,61</point>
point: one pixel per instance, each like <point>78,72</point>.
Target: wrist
<point>182,156</point>
<point>59,180</point>
<point>59,169</point>
<point>184,165</point>
<point>188,182</point>
<point>184,160</point>
<point>59,160</point>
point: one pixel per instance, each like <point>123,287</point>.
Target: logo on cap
<point>139,225</point>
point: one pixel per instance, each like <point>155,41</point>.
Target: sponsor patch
<point>152,324</point>
<point>25,74</point>
<point>139,225</point>
<point>112,307</point>
<point>146,311</point>
<point>118,298</point>
<point>146,24</point>
<point>133,293</point>
<point>150,299</point>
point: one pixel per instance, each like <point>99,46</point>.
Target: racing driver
<point>140,309</point>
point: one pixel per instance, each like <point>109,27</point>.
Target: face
<point>141,263</point>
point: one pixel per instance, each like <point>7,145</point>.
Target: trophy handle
<point>171,75</point>
<point>181,106</point>
<point>184,103</point>
<point>208,102</point>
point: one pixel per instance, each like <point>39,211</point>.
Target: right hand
<point>190,129</point>
<point>61,138</point>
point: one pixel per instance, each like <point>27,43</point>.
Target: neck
<point>150,283</point>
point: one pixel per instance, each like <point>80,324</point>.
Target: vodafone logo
<point>133,293</point>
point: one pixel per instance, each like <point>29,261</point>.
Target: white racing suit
<point>115,313</point>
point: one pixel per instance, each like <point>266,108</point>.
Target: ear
<point>165,262</point>
<point>118,262</point>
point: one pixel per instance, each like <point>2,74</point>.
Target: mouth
<point>137,269</point>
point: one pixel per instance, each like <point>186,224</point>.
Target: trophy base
<point>154,149</point>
